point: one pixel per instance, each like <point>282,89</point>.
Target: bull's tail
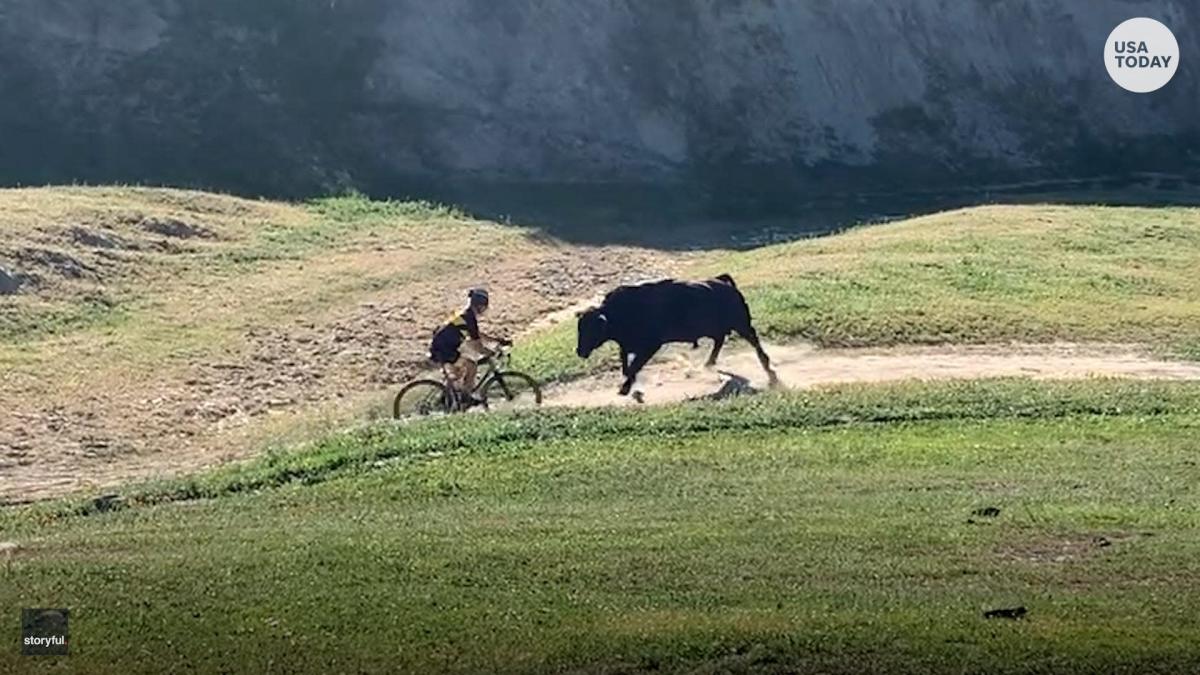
<point>727,279</point>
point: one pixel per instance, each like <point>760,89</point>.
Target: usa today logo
<point>1141,55</point>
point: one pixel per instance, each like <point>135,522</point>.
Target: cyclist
<point>449,338</point>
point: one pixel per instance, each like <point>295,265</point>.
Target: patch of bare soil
<point>183,421</point>
<point>173,227</point>
<point>60,263</point>
<point>1064,548</point>
<point>678,373</point>
<point>65,260</point>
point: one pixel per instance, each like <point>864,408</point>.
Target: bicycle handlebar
<point>501,352</point>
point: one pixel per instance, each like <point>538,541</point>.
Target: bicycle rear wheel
<point>511,390</point>
<point>422,397</point>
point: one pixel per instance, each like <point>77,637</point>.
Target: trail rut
<point>678,373</point>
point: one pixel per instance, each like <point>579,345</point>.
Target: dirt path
<point>678,374</point>
<point>278,381</point>
<point>675,375</point>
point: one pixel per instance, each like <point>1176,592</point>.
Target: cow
<point>641,318</point>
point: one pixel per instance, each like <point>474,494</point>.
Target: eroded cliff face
<point>727,97</point>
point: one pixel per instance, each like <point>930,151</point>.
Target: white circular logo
<point>1141,55</point>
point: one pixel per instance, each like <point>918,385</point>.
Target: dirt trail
<point>678,374</point>
<point>308,372</point>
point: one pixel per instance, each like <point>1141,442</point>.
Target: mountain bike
<point>496,387</point>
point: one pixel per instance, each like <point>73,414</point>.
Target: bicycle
<point>498,388</point>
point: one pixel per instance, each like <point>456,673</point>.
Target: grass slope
<point>100,263</point>
<point>771,535</point>
<point>152,319</point>
<point>989,274</point>
<point>826,531</point>
<point>361,450</point>
<point>971,276</point>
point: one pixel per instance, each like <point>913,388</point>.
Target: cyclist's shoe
<point>506,343</point>
<point>470,401</point>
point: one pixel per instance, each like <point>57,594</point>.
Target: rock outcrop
<point>729,98</point>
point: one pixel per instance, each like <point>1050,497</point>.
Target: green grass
<point>550,355</point>
<point>360,450</point>
<point>990,274</point>
<point>973,276</point>
<point>338,221</point>
<point>249,237</point>
<point>822,532</point>
<point>39,320</point>
<point>354,207</point>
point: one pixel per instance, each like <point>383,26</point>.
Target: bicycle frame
<point>493,365</point>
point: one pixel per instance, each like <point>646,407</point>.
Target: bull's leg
<point>640,358</point>
<point>624,361</point>
<point>718,342</point>
<point>750,335</point>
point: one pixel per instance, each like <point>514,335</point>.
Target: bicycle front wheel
<point>422,397</point>
<point>511,390</point>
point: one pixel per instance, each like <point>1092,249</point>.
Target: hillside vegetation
<point>991,274</point>
<point>840,530</point>
<point>148,330</point>
<point>836,532</point>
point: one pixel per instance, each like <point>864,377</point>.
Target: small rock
<point>105,503</point>
<point>11,282</point>
<point>171,227</point>
<point>1006,613</point>
<point>986,512</point>
<point>94,239</point>
<point>56,261</point>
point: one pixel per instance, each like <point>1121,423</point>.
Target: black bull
<point>643,317</point>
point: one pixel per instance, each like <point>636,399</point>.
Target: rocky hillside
<point>746,102</point>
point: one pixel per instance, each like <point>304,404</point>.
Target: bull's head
<point>593,332</point>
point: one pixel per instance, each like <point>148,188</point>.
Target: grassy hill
<point>158,330</point>
<point>989,274</point>
<point>842,530</point>
<point>834,532</point>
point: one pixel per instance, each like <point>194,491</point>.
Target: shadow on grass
<point>677,218</point>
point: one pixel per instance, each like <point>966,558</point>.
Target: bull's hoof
<point>773,381</point>
<point>711,363</point>
<point>624,390</point>
<point>639,397</point>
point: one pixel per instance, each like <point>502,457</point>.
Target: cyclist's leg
<point>450,374</point>
<point>472,351</point>
<point>468,369</point>
<point>449,358</point>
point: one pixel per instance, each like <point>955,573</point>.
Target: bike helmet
<point>478,296</point>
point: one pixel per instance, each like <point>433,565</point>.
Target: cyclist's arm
<point>485,351</point>
<point>493,338</point>
<point>477,337</point>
